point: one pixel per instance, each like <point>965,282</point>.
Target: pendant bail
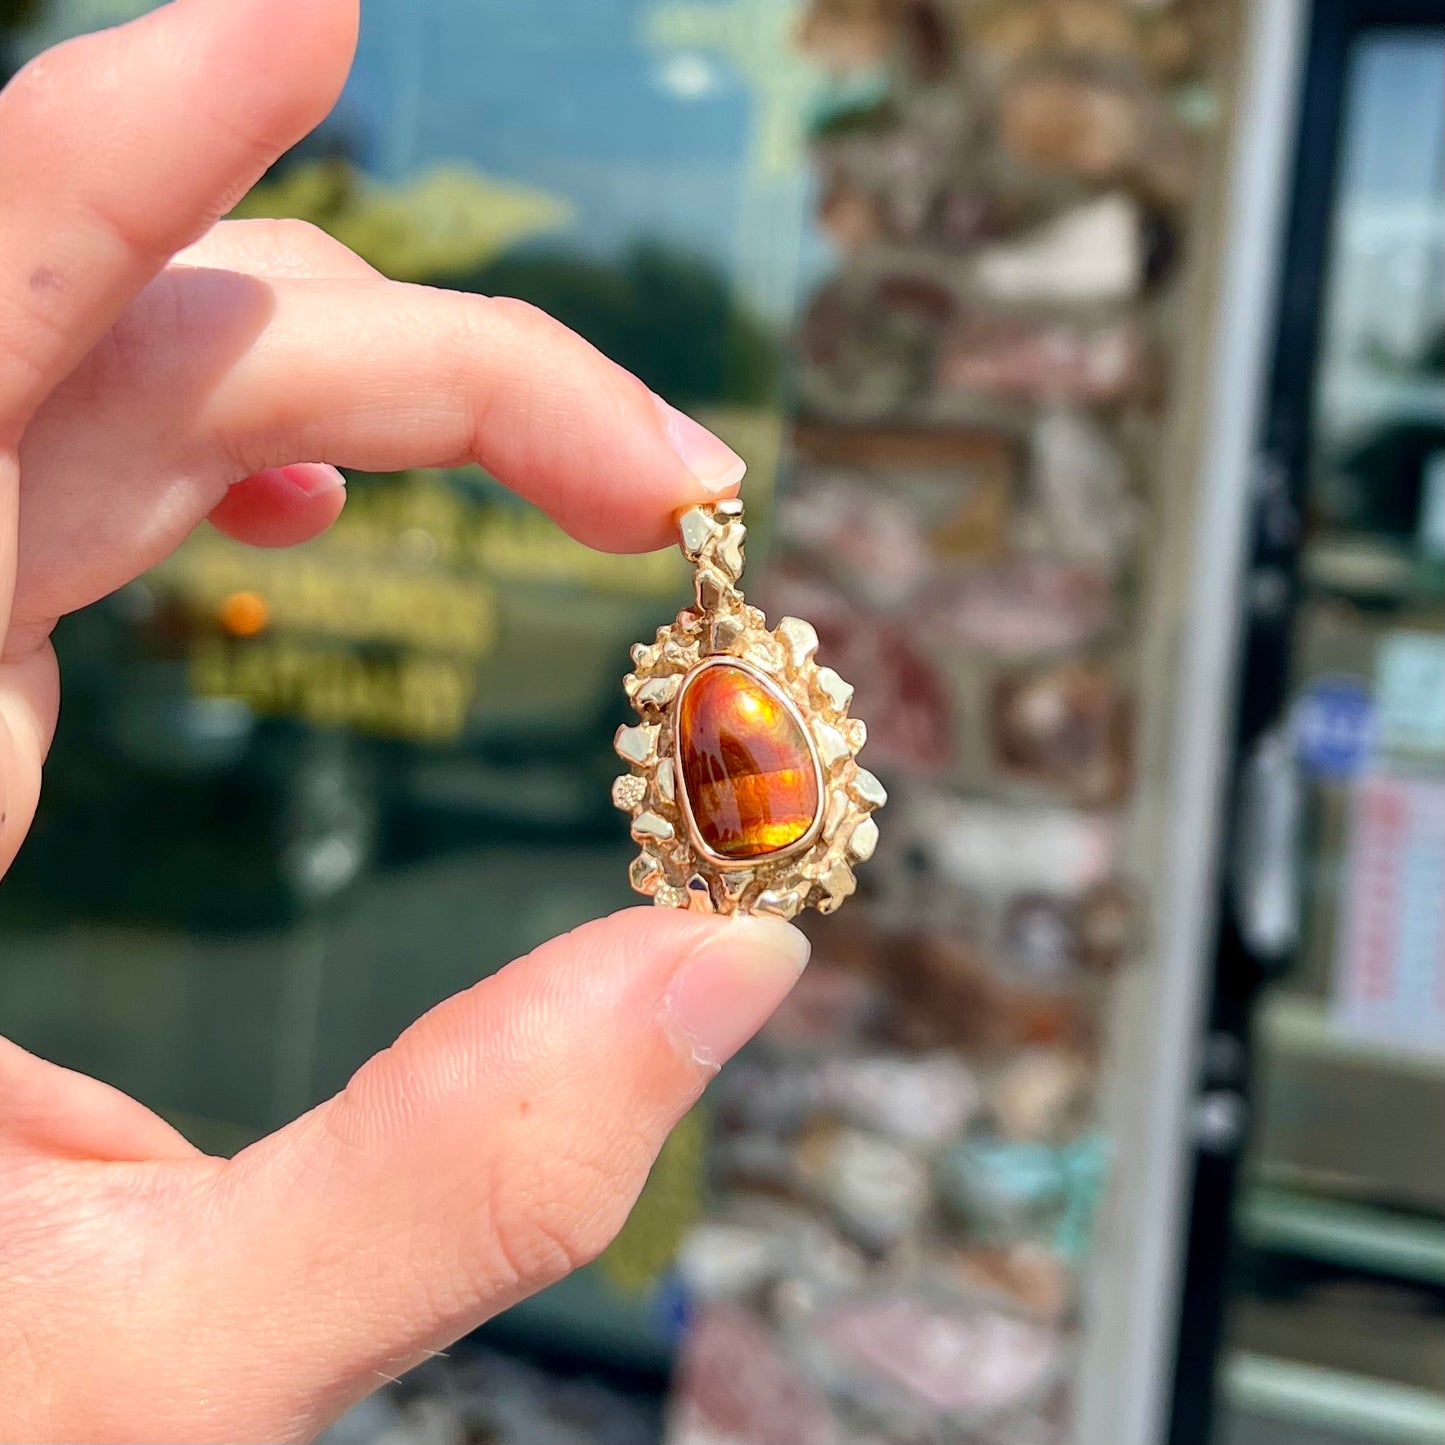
<point>711,536</point>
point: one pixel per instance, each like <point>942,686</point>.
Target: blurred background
<point>1087,356</point>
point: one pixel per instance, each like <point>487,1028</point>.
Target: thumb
<point>497,1145</point>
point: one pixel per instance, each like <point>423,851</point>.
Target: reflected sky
<point>647,135</point>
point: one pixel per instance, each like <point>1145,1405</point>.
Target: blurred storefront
<point>1087,358</point>
<point>1317,1176</point>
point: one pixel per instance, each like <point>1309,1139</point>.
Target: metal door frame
<point>1268,600</point>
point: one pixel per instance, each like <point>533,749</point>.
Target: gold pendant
<point>744,786</point>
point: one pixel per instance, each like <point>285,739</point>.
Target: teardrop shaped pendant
<point>743,786</point>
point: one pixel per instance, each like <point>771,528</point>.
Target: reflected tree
<point>670,317</point>
<point>15,16</point>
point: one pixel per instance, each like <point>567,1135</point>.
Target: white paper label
<point>1390,951</point>
<point>1410,692</point>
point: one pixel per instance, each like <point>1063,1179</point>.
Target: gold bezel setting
<point>675,868</point>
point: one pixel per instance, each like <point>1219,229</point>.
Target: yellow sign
<point>416,696</point>
<point>381,623</point>
<point>670,1204</point>
<point>322,595</point>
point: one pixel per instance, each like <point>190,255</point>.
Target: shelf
<point>1354,1235</point>
<point>1298,1024</point>
<point>1371,571</point>
<point>1344,1406</point>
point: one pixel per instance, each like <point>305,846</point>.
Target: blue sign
<point>670,1308</point>
<point>1334,726</point>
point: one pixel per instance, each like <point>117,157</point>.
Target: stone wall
<point>910,1164</point>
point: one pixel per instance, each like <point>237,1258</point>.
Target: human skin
<point>158,368</point>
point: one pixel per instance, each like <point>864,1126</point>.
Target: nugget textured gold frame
<point>675,868</point>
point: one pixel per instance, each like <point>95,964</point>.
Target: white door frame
<point>1131,1311</point>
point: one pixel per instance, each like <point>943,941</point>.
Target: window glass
<point>299,797</point>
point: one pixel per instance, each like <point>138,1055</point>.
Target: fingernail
<point>312,478</point>
<point>726,991</point>
<point>717,467</point>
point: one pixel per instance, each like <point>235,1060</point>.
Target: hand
<point>157,368</point>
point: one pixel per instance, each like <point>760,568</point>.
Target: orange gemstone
<point>746,764</point>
